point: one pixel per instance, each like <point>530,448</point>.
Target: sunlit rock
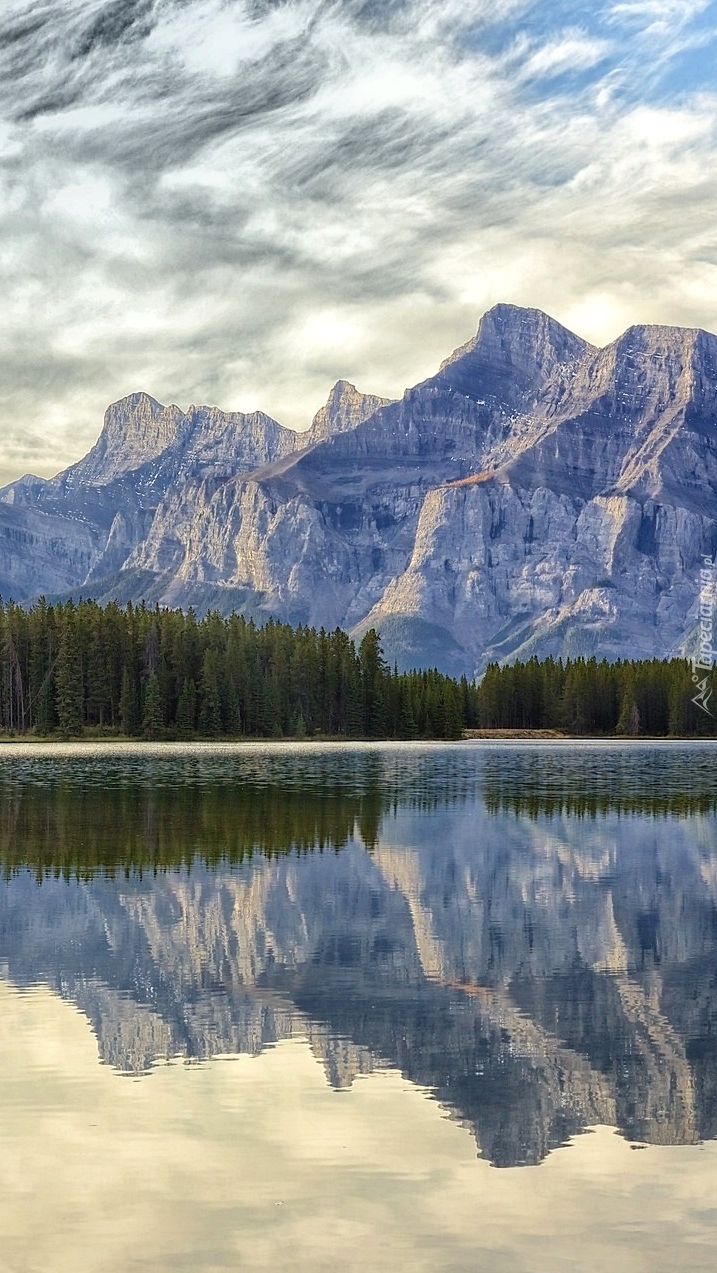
<point>536,496</point>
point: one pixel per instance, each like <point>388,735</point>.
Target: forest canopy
<point>165,674</point>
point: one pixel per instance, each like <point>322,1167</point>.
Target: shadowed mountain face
<point>540,967</point>
<point>536,496</point>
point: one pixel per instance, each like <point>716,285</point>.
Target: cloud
<point>665,31</point>
<point>572,53</point>
<point>198,196</point>
<point>661,14</point>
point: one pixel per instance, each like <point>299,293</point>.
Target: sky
<point>237,202</point>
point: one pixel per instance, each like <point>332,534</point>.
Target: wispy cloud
<point>572,52</point>
<point>664,30</point>
<point>240,200</point>
<point>663,15</point>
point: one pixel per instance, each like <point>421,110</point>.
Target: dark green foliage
<point>374,677</point>
<point>69,677</point>
<point>187,709</point>
<point>651,698</point>
<point>128,705</point>
<point>151,673</point>
<point>163,674</point>
<point>152,716</point>
<point>210,722</point>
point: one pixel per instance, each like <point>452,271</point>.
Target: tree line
<point>653,697</point>
<point>165,674</point>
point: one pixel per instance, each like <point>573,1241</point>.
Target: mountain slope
<point>537,495</point>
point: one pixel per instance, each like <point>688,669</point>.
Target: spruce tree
<point>629,718</point>
<point>128,706</point>
<point>679,696</point>
<point>152,717</point>
<point>373,677</point>
<point>69,691</point>
<point>209,711</point>
<point>186,719</point>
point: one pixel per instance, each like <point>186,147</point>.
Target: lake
<point>319,1007</point>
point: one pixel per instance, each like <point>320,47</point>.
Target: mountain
<point>536,496</point>
<point>345,409</point>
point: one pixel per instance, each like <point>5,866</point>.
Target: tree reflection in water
<point>531,935</point>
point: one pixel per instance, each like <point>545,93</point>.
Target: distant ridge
<point>536,496</point>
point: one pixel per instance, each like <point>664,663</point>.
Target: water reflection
<point>541,965</point>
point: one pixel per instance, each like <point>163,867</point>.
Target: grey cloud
<point>167,124</point>
<point>170,116</point>
<point>22,33</point>
<point>378,15</point>
<point>336,171</point>
<point>124,21</point>
<point>211,234</point>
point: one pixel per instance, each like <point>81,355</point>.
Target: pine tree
<point>373,676</point>
<point>152,717</point>
<point>629,718</point>
<point>15,691</point>
<point>97,668</point>
<point>128,706</point>
<point>574,702</point>
<point>69,692</point>
<point>209,712</point>
<point>186,719</point>
<point>41,664</point>
<point>679,699</point>
<point>452,714</point>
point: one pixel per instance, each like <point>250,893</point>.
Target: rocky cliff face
<point>345,408</point>
<point>537,495</point>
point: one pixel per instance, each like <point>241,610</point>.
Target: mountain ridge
<point>536,495</point>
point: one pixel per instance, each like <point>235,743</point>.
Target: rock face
<point>537,495</point>
<point>346,408</point>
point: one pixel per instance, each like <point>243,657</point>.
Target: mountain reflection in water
<point>531,933</point>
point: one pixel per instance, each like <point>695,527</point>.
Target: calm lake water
<point>302,1007</point>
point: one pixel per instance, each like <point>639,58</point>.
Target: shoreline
<point>469,736</point>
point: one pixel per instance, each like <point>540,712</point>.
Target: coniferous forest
<point>651,697</point>
<point>159,674</point>
<point>162,674</point>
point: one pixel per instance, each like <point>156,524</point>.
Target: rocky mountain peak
<point>136,429</point>
<point>660,345</point>
<point>650,374</point>
<point>537,496</point>
<point>513,355</point>
<point>234,440</point>
<point>346,407</point>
